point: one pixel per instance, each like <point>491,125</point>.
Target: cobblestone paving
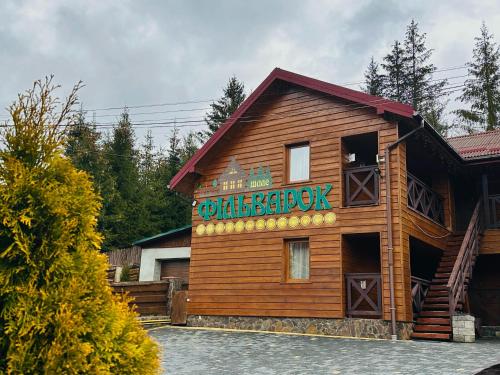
<point>186,352</point>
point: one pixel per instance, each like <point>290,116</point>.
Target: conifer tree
<point>220,111</point>
<point>189,147</point>
<point>482,89</point>
<point>374,80</point>
<point>126,219</point>
<point>83,146</point>
<point>395,74</point>
<point>57,312</point>
<point>424,94</point>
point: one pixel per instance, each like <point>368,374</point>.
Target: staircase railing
<point>464,264</point>
<point>419,289</point>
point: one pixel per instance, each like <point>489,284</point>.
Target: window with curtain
<point>298,163</point>
<point>298,260</point>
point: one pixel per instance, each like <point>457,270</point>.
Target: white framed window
<point>298,162</point>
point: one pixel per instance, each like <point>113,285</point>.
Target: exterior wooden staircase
<point>448,290</point>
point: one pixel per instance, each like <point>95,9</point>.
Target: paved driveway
<point>188,351</point>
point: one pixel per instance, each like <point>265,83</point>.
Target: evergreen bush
<point>57,312</point>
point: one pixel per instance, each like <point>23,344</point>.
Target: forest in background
<point>132,175</point>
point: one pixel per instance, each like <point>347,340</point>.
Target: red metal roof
<point>477,145</point>
<point>380,104</point>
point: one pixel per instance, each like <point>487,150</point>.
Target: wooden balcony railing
<point>419,288</point>
<point>361,186</point>
<point>364,294</point>
<point>493,211</point>
<point>464,264</point>
<point>425,200</point>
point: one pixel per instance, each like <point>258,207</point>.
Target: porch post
<point>484,183</point>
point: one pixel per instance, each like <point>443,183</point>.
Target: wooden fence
<point>149,298</point>
<point>125,257</point>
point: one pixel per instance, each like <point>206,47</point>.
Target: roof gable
<point>381,105</point>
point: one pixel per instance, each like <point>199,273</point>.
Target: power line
<point>212,100</point>
<point>254,118</point>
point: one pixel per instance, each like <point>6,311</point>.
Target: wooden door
<point>179,308</point>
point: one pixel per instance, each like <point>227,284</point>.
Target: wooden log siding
<point>148,297</point>
<point>242,274</point>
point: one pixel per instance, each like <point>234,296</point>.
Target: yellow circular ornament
<point>293,222</point>
<point>240,225</point>
<point>330,218</point>
<point>317,219</point>
<point>249,225</point>
<point>260,224</point>
<point>210,228</point>
<point>282,221</point>
<point>229,227</point>
<point>200,229</point>
<point>270,224</point>
<point>305,220</point>
<point>219,228</point>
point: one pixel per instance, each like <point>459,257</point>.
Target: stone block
<point>469,338</point>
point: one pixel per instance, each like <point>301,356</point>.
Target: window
<point>298,163</point>
<point>298,260</point>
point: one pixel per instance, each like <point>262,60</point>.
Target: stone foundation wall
<point>351,327</point>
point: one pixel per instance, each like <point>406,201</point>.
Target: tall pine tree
<point>125,220</point>
<point>220,111</point>
<point>482,89</point>
<point>394,66</point>
<point>408,75</point>
<point>84,148</point>
<point>374,80</point>
<point>424,94</point>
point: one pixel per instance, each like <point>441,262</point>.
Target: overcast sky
<point>150,52</point>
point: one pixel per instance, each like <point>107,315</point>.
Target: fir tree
<point>482,89</point>
<point>189,147</point>
<point>82,145</point>
<point>85,150</point>
<point>394,66</point>
<point>126,219</point>
<point>57,312</point>
<point>374,80</point>
<point>423,93</point>
<point>220,111</point>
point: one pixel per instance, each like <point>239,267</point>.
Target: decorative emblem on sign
<point>234,180</point>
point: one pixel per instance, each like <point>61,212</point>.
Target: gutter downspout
<point>394,335</point>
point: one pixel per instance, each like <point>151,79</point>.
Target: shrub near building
<point>57,313</point>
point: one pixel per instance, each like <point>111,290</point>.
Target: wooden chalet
<point>370,223</point>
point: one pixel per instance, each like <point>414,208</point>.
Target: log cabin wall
<point>241,274</point>
<point>182,239</point>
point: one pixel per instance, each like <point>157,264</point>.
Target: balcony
<point>364,295</point>
<point>423,199</point>
<point>361,186</point>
